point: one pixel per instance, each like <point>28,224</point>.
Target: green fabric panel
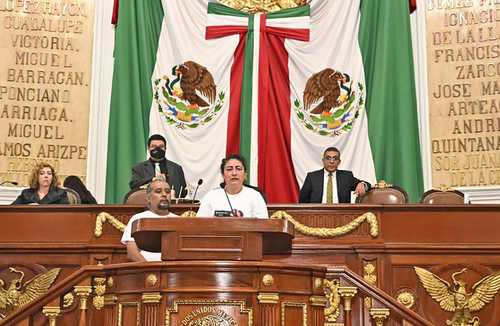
<point>220,9</point>
<point>385,42</point>
<point>246,96</point>
<point>136,42</point>
<point>290,12</point>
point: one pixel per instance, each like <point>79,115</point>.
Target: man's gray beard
<point>164,205</point>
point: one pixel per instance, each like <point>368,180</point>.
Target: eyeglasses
<point>331,158</point>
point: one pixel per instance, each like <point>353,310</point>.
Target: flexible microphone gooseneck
<point>230,206</point>
<point>200,181</point>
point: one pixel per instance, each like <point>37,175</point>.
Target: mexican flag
<point>278,88</point>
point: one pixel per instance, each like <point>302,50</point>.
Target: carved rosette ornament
<point>268,280</point>
<point>406,298</point>
<point>151,279</point>
<point>455,298</point>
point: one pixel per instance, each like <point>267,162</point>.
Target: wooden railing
<point>139,293</point>
<point>458,244</point>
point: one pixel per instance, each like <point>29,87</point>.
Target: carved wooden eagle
<point>17,294</point>
<point>196,78</point>
<point>454,298</point>
<point>324,85</point>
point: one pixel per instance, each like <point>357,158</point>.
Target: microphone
<point>14,183</point>
<point>200,181</point>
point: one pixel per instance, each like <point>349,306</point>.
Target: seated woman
<point>74,182</point>
<point>233,198</point>
<point>43,188</point>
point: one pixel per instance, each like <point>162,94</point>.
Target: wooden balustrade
<point>383,249</point>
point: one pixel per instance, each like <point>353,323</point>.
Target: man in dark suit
<point>330,185</point>
<point>157,165</point>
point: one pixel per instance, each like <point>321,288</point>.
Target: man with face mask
<point>158,165</point>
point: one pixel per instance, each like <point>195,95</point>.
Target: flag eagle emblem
<point>330,105</point>
<point>187,97</point>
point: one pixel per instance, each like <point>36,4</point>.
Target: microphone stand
<point>230,206</point>
<point>200,181</point>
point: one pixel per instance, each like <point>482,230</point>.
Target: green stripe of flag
<point>220,9</point>
<point>391,98</point>
<point>246,95</point>
<point>136,43</point>
<point>290,12</point>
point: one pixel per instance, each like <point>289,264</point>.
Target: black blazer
<point>30,195</point>
<point>144,172</point>
<point>312,190</point>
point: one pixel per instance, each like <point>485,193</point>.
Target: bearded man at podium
<point>158,202</point>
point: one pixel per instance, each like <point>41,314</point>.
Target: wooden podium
<point>213,238</point>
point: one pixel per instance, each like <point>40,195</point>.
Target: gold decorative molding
<point>268,298</point>
<point>208,302</point>
<point>120,312</point>
<point>99,290</point>
<point>369,217</point>
<point>347,293</point>
<point>111,281</point>
<point>189,213</point>
<point>19,294</point>
<point>83,292</point>
<point>382,184</point>
<point>151,279</point>
<point>267,280</point>
<point>317,301</point>
<point>68,300</point>
<point>455,298</point>
<point>254,6</point>
<point>379,315</point>
<point>332,311</point>
<point>51,313</point>
<point>302,305</point>
<point>110,299</point>
<point>443,187</point>
<point>406,298</point>
<point>104,217</point>
<point>318,282</point>
<point>154,297</point>
<point>370,276</point>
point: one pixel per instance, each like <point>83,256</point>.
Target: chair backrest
<point>384,194</point>
<point>135,197</point>
<point>434,196</point>
<point>73,196</point>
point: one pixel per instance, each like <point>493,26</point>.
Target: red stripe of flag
<point>276,175</point>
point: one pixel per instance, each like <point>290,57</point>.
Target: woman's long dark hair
<point>74,182</point>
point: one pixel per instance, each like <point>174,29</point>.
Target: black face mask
<point>157,153</point>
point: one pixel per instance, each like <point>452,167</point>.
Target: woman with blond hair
<point>43,188</point>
